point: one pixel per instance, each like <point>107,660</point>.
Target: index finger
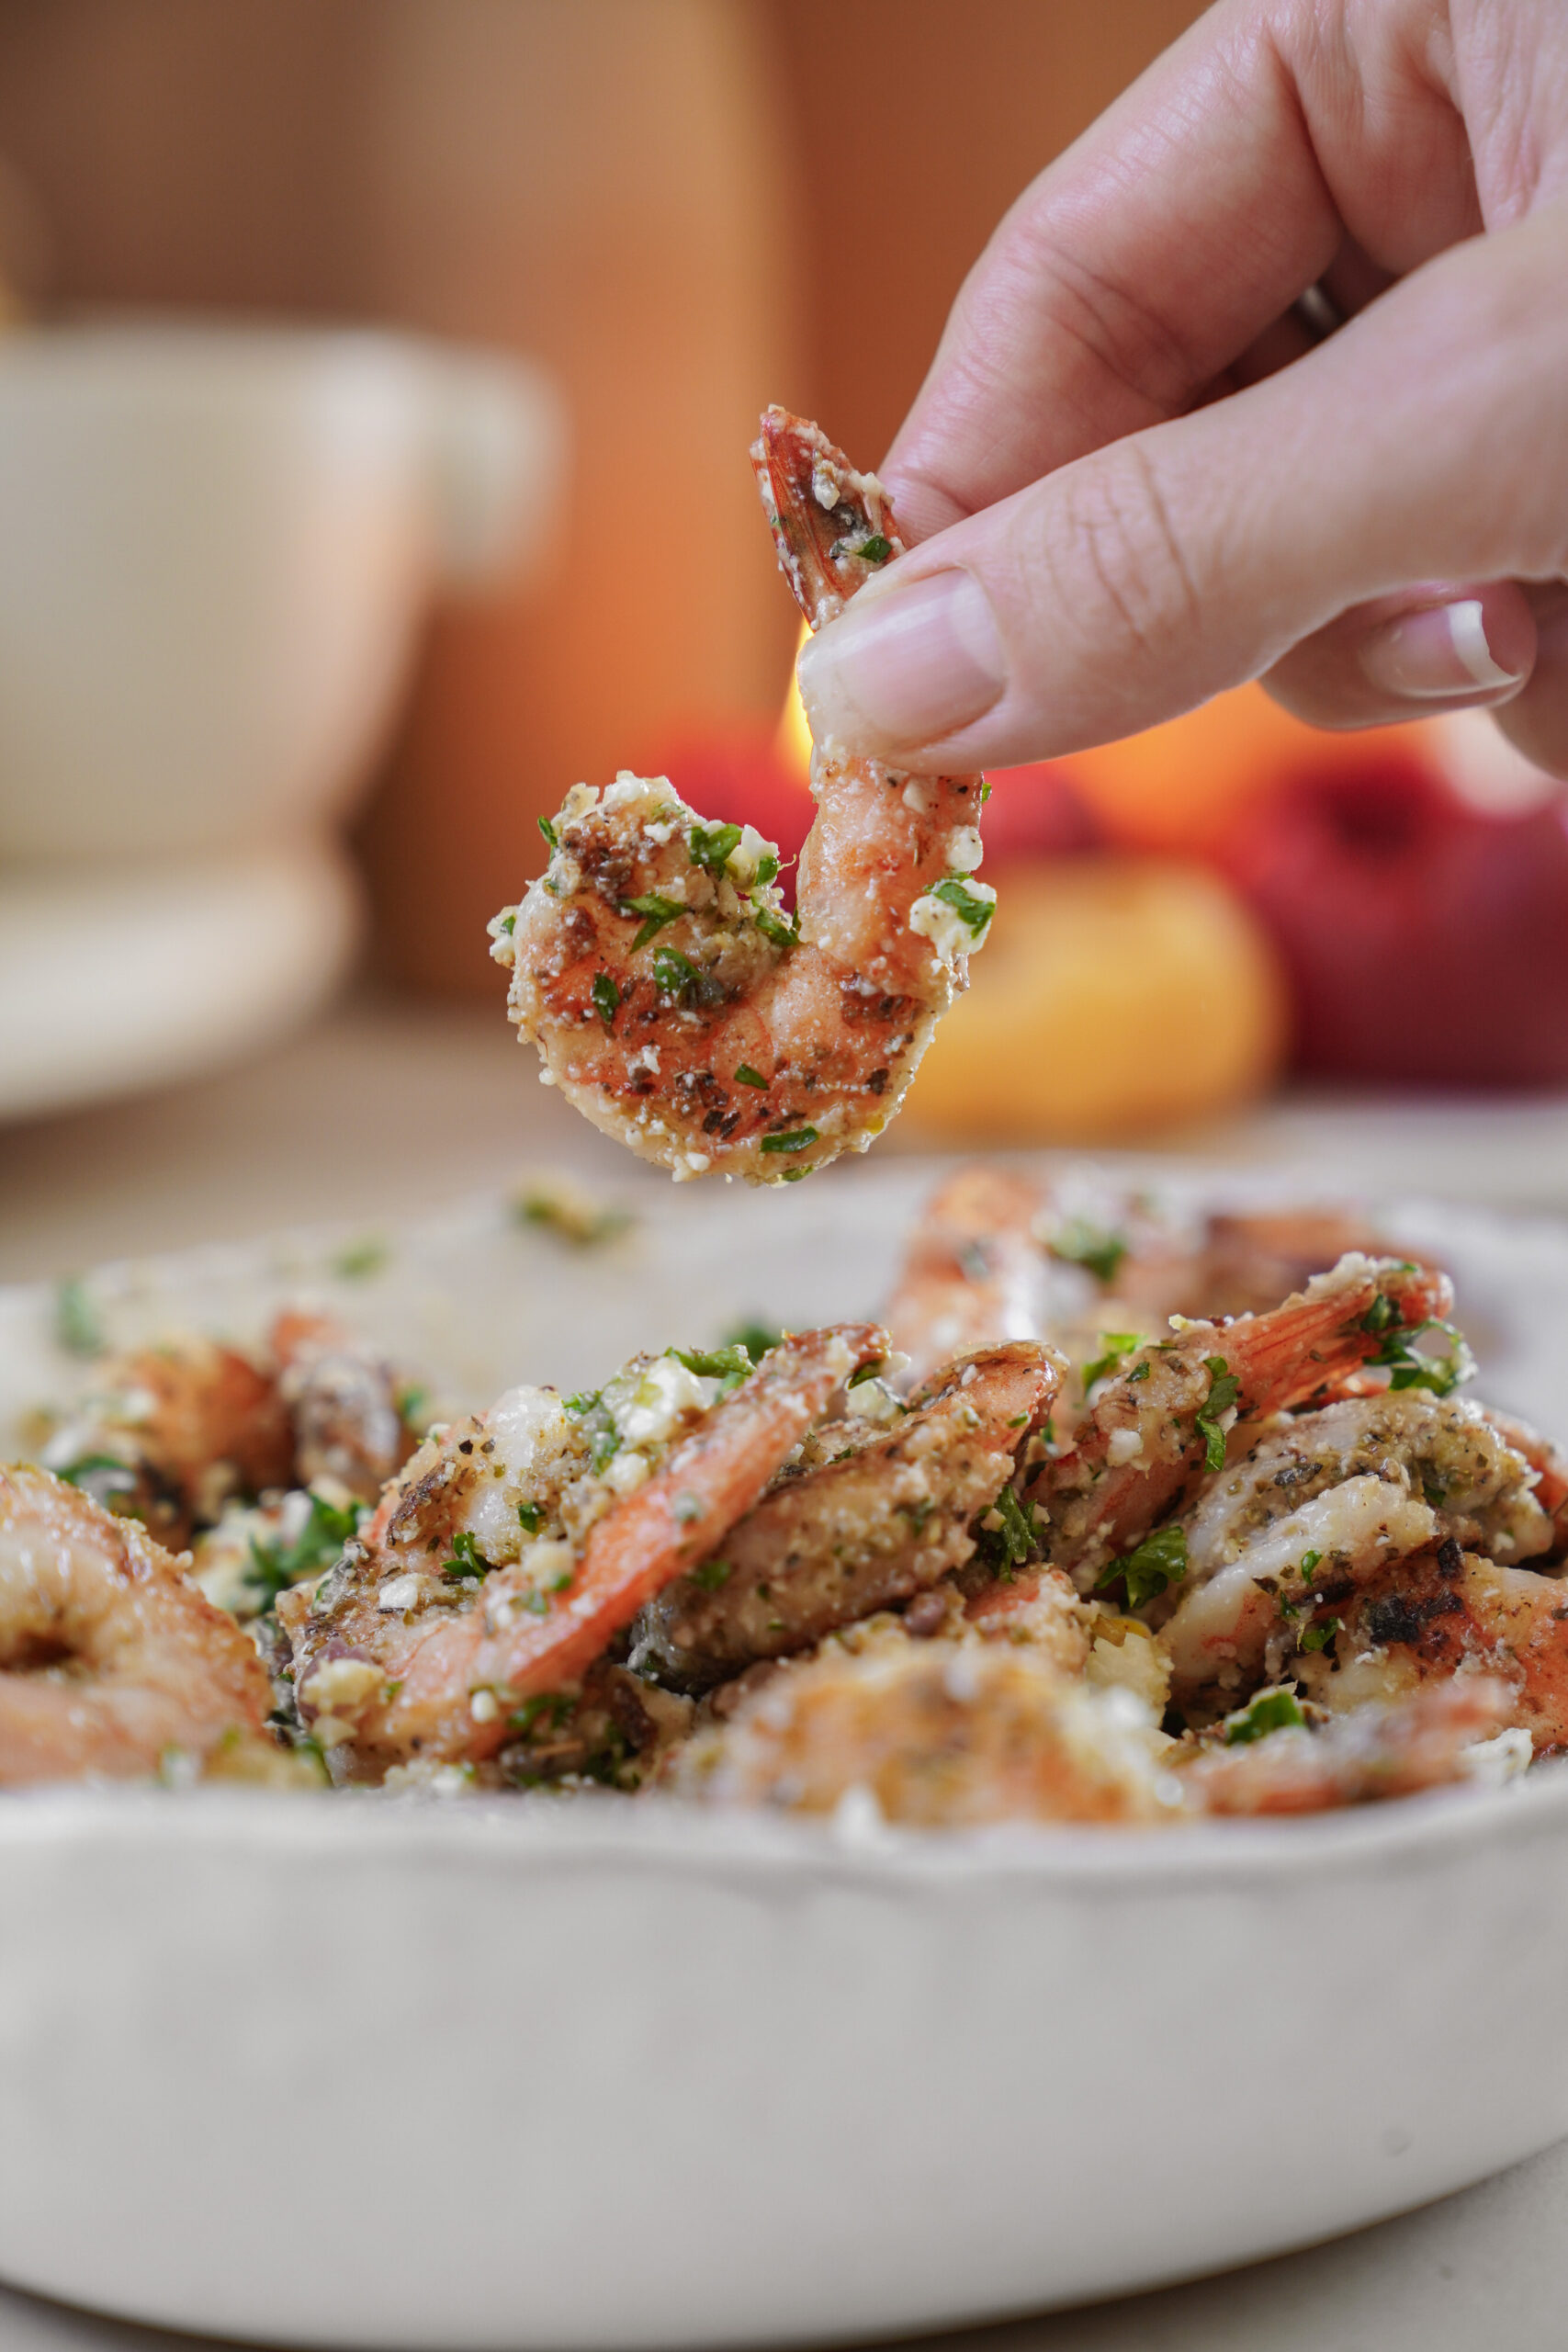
<point>1146,259</point>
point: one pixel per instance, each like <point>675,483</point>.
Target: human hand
<point>1134,476</point>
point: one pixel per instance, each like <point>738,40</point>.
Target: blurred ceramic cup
<point>215,547</point>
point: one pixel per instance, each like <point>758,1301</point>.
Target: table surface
<point>386,1108</point>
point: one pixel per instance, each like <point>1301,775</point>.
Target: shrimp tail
<point>833,528</point>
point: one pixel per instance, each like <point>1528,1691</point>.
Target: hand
<point>1135,476</point>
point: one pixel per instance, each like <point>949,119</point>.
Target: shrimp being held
<point>108,1656</point>
<point>652,963</point>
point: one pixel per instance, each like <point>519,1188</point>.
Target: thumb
<point>1415,445</point>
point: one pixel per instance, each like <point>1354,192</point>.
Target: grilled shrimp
<point>884,1520</point>
<point>972,1272</point>
<point>344,1404</point>
<point>1157,1424</point>
<point>652,963</point>
<point>515,1544</point>
<point>1444,1613</point>
<point>170,1433</point>
<point>1373,1752</point>
<point>1328,1502</point>
<point>108,1656</point>
<point>940,1733</point>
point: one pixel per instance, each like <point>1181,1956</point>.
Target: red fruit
<point>735,775</point>
<point>1037,811</point>
<point>1425,941</point>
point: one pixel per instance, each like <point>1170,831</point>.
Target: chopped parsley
<point>756,1339</point>
<point>466,1560</point>
<point>868,1372</point>
<point>549,831</point>
<point>1270,1711</point>
<point>606,998</point>
<point>103,1476</point>
<point>1223,1390</point>
<point>710,1574</point>
<point>954,892</point>
<point>1114,1345</point>
<point>576,1216</point>
<point>603,1437</point>
<point>729,1365</point>
<point>1409,1369</point>
<point>773,927</point>
<point>1317,1637</point>
<point>530,1517</point>
<point>1311,1560</point>
<point>745,1076</point>
<point>676,977</point>
<point>797,1139</point>
<point>360,1260</point>
<point>1015,1539</point>
<point>655,912</point>
<point>546,1710</point>
<point>985,791</point>
<point>1082,1244</point>
<point>711,845</point>
<point>506,924</point>
<point>767,869</point>
<point>275,1567</point>
<point>1159,1561</point>
<point>77,1324</point>
<point>1380,1314</point>
<point>876,549</point>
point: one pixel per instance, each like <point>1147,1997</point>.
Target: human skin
<point>1136,477</point>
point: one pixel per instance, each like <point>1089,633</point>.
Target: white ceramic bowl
<point>523,2073</point>
<point>216,543</point>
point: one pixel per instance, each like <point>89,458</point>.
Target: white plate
<point>115,978</point>
<point>523,2073</point>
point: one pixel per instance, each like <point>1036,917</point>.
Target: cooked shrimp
<point>883,1521</point>
<point>1325,1502</point>
<point>938,1734</point>
<point>972,1272</point>
<point>1253,1259</point>
<point>652,965</point>
<point>344,1403</point>
<point>1154,1426</point>
<point>1376,1751</point>
<point>1552,1468</point>
<point>170,1433</point>
<point>108,1657</point>
<point>514,1547</point>
<point>1443,1612</point>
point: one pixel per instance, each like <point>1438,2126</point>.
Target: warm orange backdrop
<point>687,206</point>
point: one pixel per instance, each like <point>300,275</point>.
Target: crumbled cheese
<point>627,1472</point>
<point>399,1594</point>
<point>484,1706</point>
<point>749,852</point>
<point>664,1394</point>
<point>916,798</point>
<point>1123,1446</point>
<point>964,850</point>
<point>342,1685</point>
<point>949,934</point>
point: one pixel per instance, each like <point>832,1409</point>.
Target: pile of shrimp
<point>962,1566</point>
<point>653,965</point>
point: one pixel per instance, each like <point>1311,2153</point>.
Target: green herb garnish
<point>77,1324</point>
<point>876,549</point>
<point>1311,1560</point>
<point>676,977</point>
<point>549,831</point>
<point>1159,1561</point>
<point>1115,1345</point>
<point>655,911</point>
<point>954,892</point>
<point>319,1544</point>
<point>796,1139</point>
<point>757,1339</point>
<point>1223,1390</point>
<point>530,1517</point>
<point>730,1364</point>
<point>1015,1539</point>
<point>360,1260</point>
<point>710,1574</point>
<point>773,927</point>
<point>1317,1637</point>
<point>466,1560</point>
<point>1270,1711</point>
<point>1081,1244</point>
<point>606,998</point>
<point>710,845</point>
<point>745,1076</point>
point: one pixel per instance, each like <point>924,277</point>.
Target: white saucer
<point>116,977</point>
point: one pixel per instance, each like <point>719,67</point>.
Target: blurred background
<point>375,382</point>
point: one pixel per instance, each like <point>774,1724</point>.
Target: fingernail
<point>1436,655</point>
<point>903,666</point>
